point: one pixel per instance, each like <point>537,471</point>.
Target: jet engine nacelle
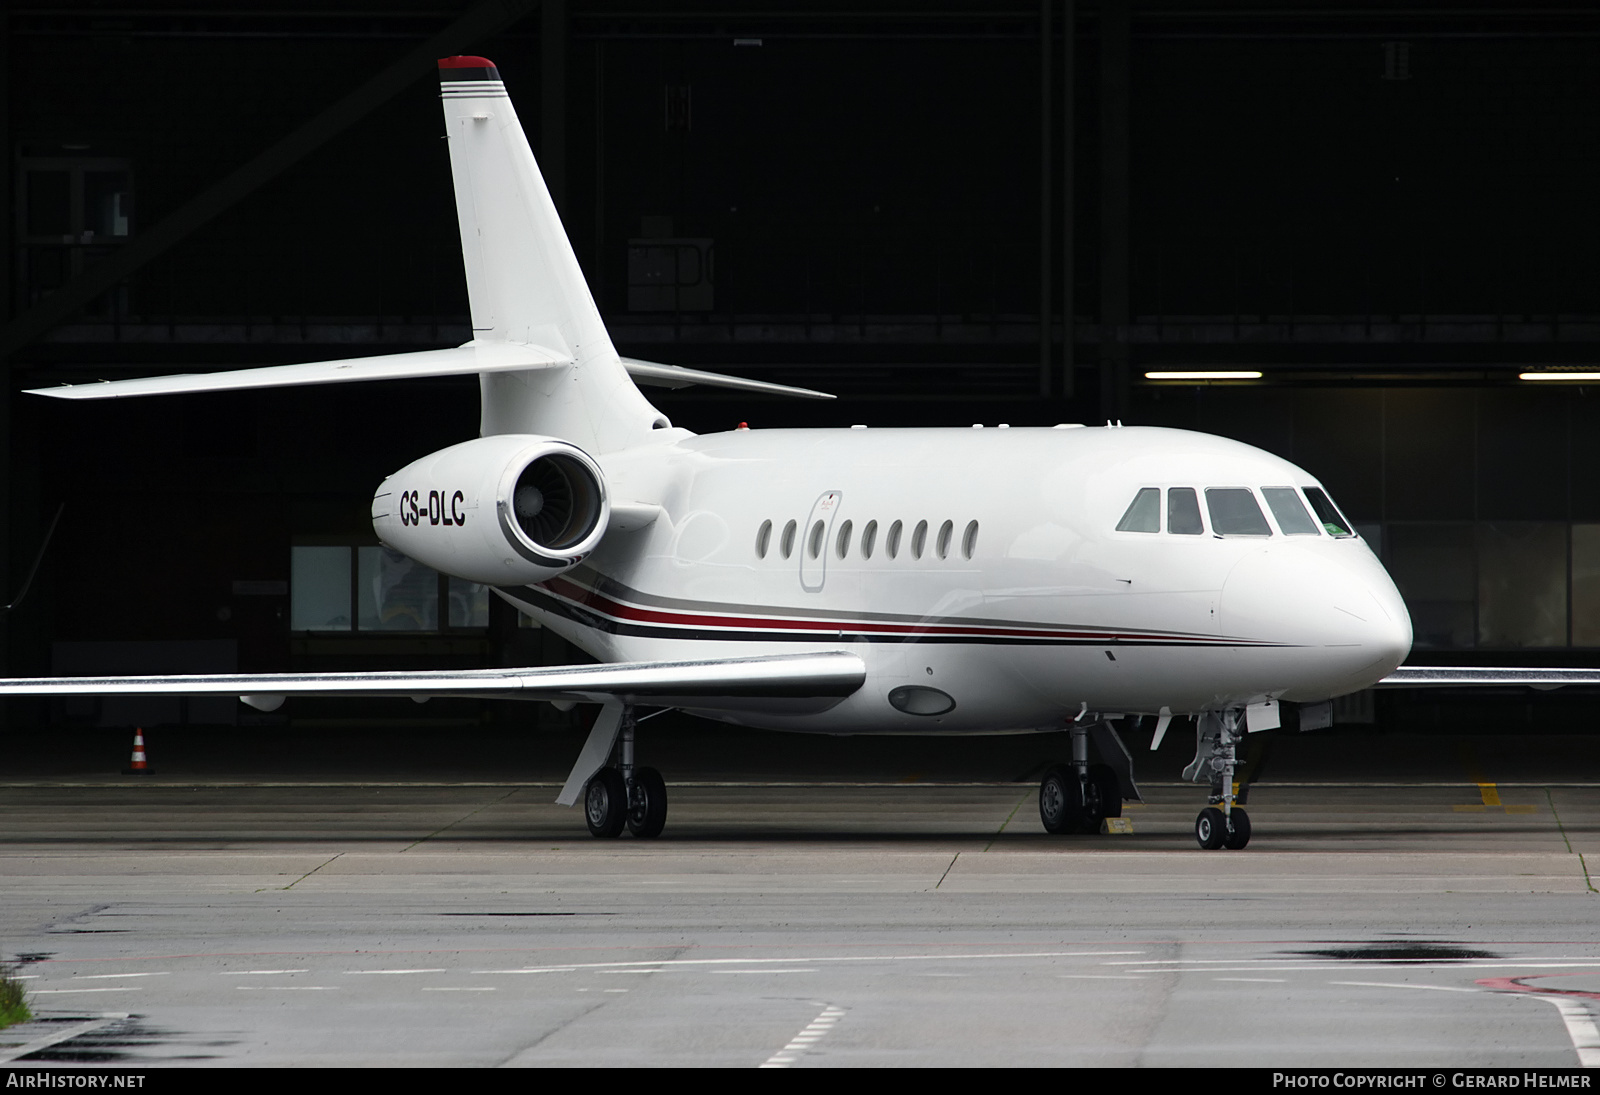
<point>505,510</point>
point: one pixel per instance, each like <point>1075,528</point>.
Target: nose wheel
<point>1213,829</point>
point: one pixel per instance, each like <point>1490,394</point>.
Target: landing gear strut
<point>1216,757</point>
<point>623,795</point>
<point>1077,797</point>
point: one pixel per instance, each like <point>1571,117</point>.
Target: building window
<point>376,589</point>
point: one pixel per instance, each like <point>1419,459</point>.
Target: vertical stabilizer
<point>524,282</point>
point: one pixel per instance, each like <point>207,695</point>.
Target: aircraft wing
<point>471,359</point>
<point>468,360</point>
<point>703,683</point>
<point>1412,676</point>
<point>658,375</point>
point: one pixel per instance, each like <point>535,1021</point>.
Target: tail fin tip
<point>467,68</point>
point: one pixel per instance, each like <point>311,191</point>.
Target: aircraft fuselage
<point>980,575</point>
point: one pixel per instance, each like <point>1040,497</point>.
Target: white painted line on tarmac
<point>12,1053</point>
<point>54,992</point>
<point>667,962</point>
<point>354,973</point>
<point>1580,1024</point>
<point>258,973</point>
<point>1329,967</point>
<point>487,988</point>
<point>1580,1027</point>
<point>1101,977</point>
<point>1201,964</point>
<point>759,972</point>
<point>807,1038</point>
<point>1260,980</point>
<point>287,988</point>
<point>1401,985</point>
<point>109,976</point>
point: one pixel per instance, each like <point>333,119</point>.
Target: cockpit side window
<point>1290,511</point>
<point>1183,512</point>
<point>1144,513</point>
<point>1333,522</point>
<point>1234,512</point>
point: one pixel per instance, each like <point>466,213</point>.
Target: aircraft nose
<point>1347,607</point>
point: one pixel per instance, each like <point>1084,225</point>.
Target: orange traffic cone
<point>137,766</point>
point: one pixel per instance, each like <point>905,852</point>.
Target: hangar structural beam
<point>1115,90</point>
<point>553,38</point>
<point>482,19</point>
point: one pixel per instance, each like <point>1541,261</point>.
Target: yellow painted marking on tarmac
<point>1490,793</point>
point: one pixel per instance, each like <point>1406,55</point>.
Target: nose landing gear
<point>1216,757</point>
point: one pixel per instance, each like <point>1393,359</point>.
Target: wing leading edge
<point>705,683</point>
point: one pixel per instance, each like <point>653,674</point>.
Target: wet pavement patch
<point>1397,951</point>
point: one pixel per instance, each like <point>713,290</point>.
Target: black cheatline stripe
<point>596,622</point>
<point>593,581</point>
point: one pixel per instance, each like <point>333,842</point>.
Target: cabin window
<point>841,543</point>
<point>919,539</point>
<point>1333,522</point>
<point>1144,512</point>
<point>894,540</point>
<point>868,535</point>
<point>946,530</point>
<point>969,539</point>
<point>1285,504</point>
<point>1234,512</point>
<point>814,542</point>
<point>787,544</point>
<point>763,539</point>
<point>1183,512</point>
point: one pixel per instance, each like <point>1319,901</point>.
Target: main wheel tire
<point>605,803</point>
<point>647,803</point>
<point>1105,796</point>
<point>1239,834</point>
<point>1060,801</point>
<point>1210,828</point>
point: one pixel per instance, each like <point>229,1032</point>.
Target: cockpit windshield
<point>1144,514</point>
<point>1333,522</point>
<point>1290,511</point>
<point>1234,512</point>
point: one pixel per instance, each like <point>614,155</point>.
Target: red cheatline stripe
<point>589,598</point>
<point>465,62</point>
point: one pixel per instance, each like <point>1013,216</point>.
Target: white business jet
<point>836,581</point>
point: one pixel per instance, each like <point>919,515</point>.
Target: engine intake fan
<point>512,509</point>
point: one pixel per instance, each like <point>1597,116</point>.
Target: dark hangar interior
<point>945,213</point>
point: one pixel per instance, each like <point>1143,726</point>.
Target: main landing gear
<point>623,795</point>
<point>1078,797</point>
<point>1216,756</point>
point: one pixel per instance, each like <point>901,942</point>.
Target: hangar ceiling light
<point>1203,374</point>
<point>1591,377</point>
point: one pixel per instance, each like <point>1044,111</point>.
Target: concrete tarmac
<point>196,919</point>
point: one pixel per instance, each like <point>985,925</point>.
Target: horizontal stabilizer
<point>471,359</point>
<point>676,376</point>
<point>829,674</point>
<point>1411,676</point>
